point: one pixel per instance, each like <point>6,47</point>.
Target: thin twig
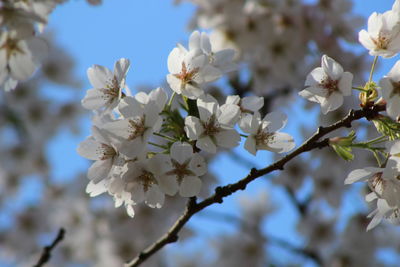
<point>223,191</point>
<point>46,253</point>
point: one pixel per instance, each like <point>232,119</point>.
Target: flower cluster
<point>144,147</point>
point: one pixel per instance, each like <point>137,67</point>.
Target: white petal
<point>194,40</point>
<point>205,43</point>
<point>190,186</point>
<point>333,102</point>
<point>232,99</point>
<point>168,184</point>
<point>96,189</point>
<point>90,149</point>
<point>315,77</point>
<point>95,99</point>
<point>181,152</point>
<point>229,115</point>
<point>207,106</point>
<point>393,107</point>
<point>346,83</point>
<point>174,83</point>
<point>207,74</point>
<point>21,66</point>
<point>121,67</point>
<point>175,59</point>
<point>275,121</point>
<point>227,138</point>
<point>249,124</point>
<point>193,127</point>
<point>130,107</point>
<point>253,103</point>
<point>137,193</point>
<point>99,170</point>
<point>331,67</point>
<point>206,144</point>
<point>198,165</point>
<point>281,143</point>
<point>154,197</point>
<point>361,174</point>
<point>250,145</point>
<point>99,76</point>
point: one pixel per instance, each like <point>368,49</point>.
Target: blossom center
<point>106,152</point>
<point>180,170</point>
<point>112,88</point>
<point>11,46</point>
<point>211,127</point>
<point>137,128</point>
<point>263,137</point>
<point>147,180</point>
<point>381,42</point>
<point>186,76</point>
<point>377,184</point>
<point>330,85</point>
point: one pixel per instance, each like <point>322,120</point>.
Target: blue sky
<point>145,32</point>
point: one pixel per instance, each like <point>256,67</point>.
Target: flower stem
<point>360,89</point>
<point>243,135</point>
<point>157,145</point>
<point>170,100</point>
<point>372,69</point>
<point>169,138</point>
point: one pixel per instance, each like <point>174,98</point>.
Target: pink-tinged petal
<point>168,185</point>
<point>361,174</point>
<point>229,115</point>
<point>21,66</point>
<point>346,83</point>
<point>193,127</point>
<point>121,68</point>
<point>99,170</point>
<point>198,165</point>
<point>154,197</point>
<point>205,143</point>
<point>227,138</point>
<point>315,77</point>
<point>190,186</point>
<point>181,152</point>
<point>249,124</point>
<point>275,121</point>
<point>250,145</point>
<point>331,67</point>
<point>99,76</point>
<point>281,143</point>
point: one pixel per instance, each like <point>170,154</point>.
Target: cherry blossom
<point>108,86</point>
<point>390,85</point>
<point>327,85</point>
<point>181,171</point>
<point>264,133</point>
<point>215,125</point>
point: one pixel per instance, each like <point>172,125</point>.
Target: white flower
<point>222,59</point>
<point>248,105</point>
<point>98,147</point>
<point>19,57</point>
<point>390,85</point>
<point>383,35</point>
<point>142,182</point>
<point>107,86</point>
<point>158,96</point>
<point>189,70</point>
<point>131,133</point>
<point>181,171</point>
<point>264,135</point>
<point>215,125</point>
<point>327,85</point>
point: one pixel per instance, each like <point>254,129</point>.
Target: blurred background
<point>302,216</point>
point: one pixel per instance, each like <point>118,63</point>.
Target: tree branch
<point>46,253</point>
<point>221,192</point>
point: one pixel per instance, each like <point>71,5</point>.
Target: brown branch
<point>221,192</point>
<point>46,253</point>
